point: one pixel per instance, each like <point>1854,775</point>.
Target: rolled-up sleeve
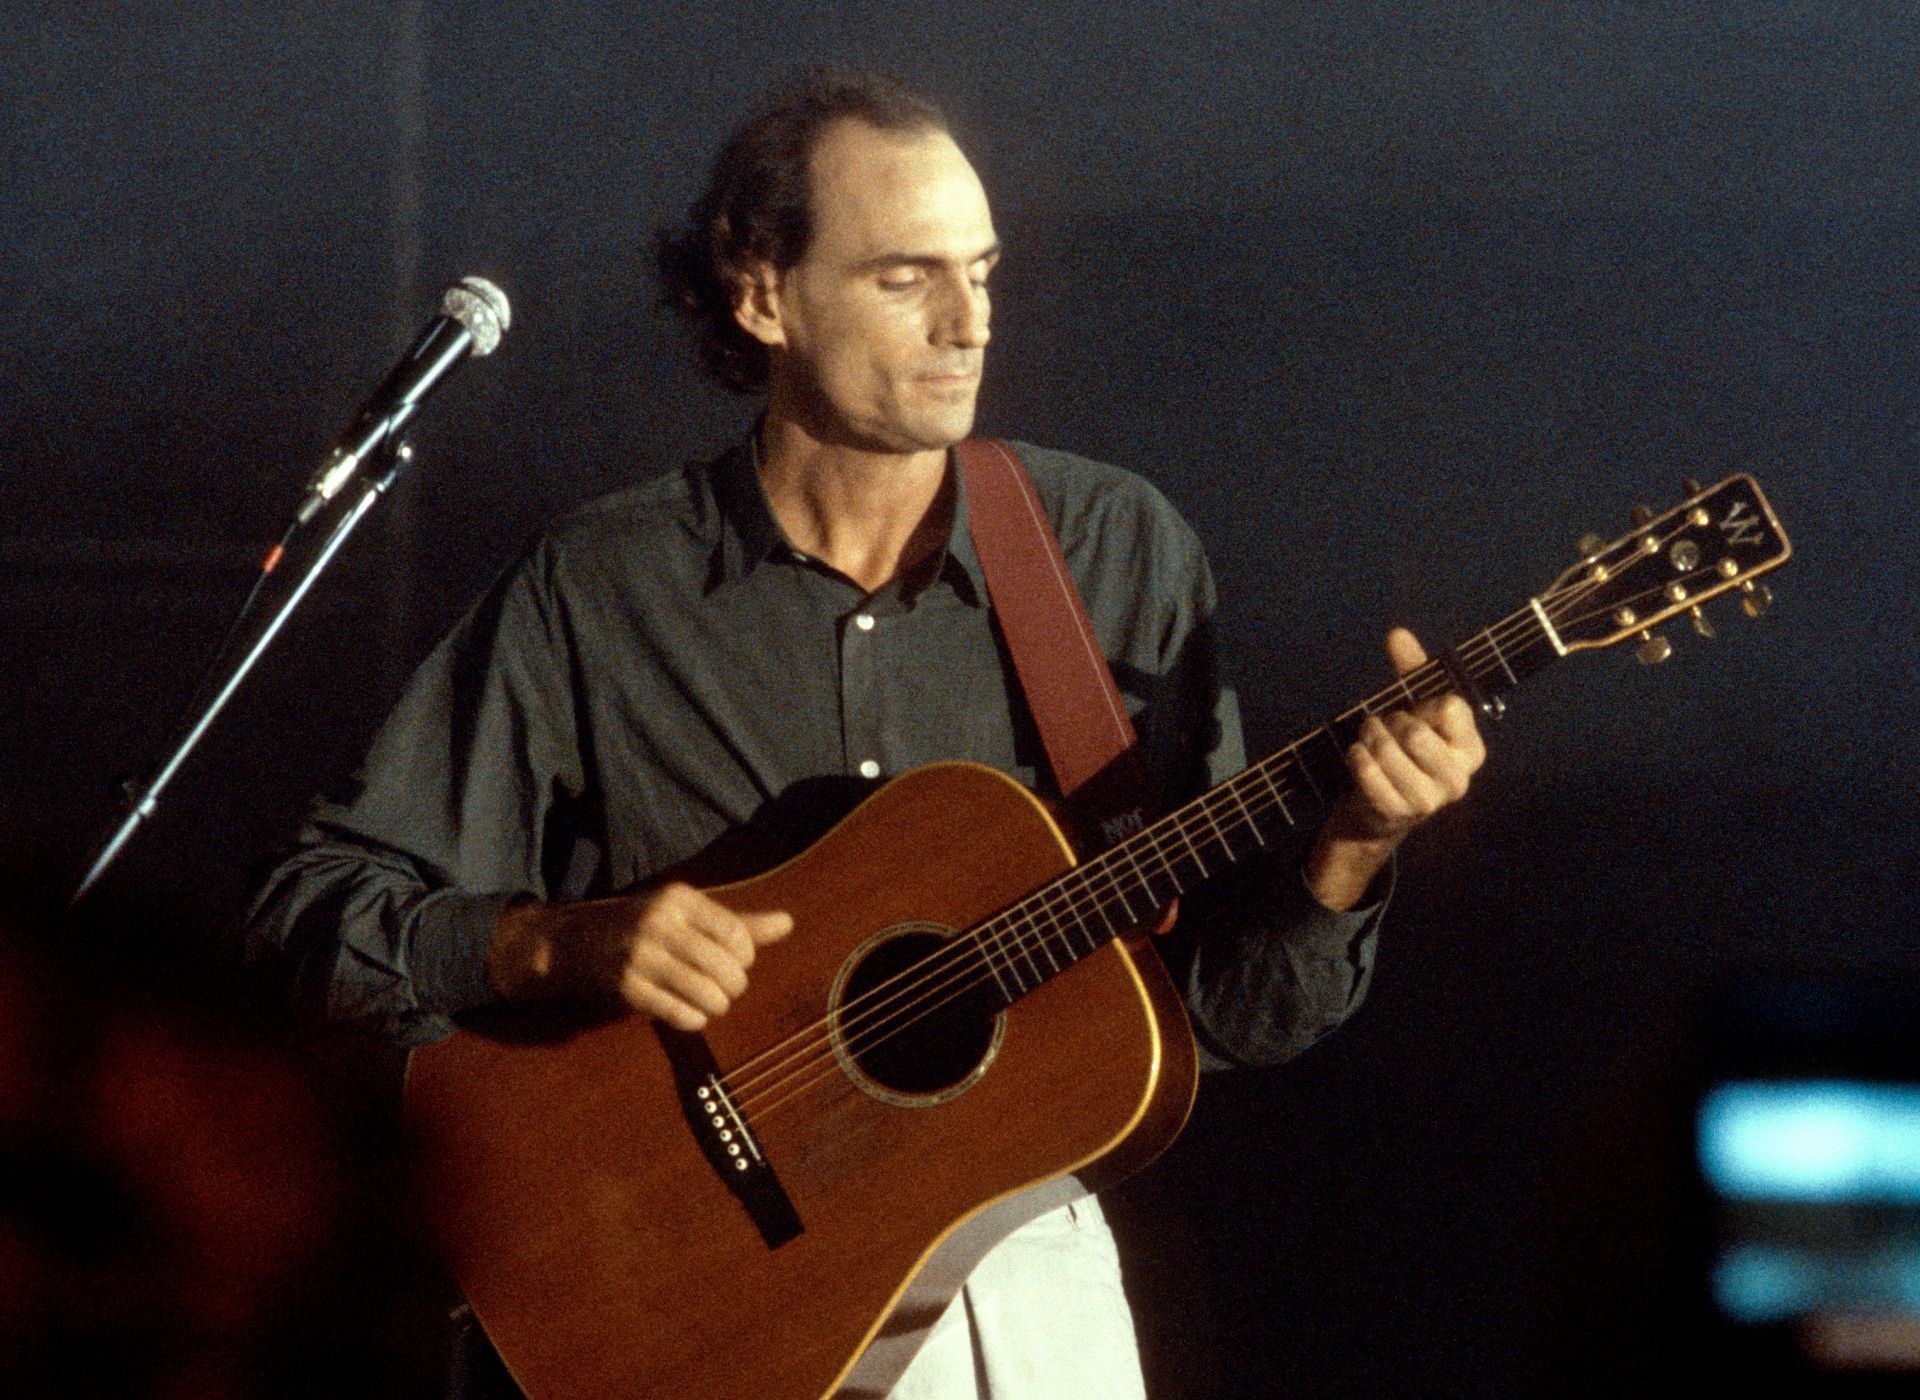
<point>1270,970</point>
<point>381,912</point>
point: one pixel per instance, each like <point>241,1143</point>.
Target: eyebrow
<point>928,260</point>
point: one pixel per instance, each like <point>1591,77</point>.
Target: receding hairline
<point>896,137</point>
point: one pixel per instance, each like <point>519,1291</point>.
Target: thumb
<point>1404,651</point>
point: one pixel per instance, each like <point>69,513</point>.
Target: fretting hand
<point>1406,766</point>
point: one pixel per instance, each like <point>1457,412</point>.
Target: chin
<point>945,429</point>
<point>924,433</point>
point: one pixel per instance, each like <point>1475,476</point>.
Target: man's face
<point>878,334</point>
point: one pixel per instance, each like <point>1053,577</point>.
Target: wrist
<point>1340,869</point>
<point>520,952</point>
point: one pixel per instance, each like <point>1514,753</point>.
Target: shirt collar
<point>961,558</point>
<point>750,534</point>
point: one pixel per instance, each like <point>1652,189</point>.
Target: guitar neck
<point>1123,887</point>
<point>1717,540</point>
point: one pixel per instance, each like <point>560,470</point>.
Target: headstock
<point>1715,541</point>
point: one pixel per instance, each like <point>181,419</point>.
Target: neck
<point>868,515</point>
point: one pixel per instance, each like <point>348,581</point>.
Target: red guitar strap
<point>1091,747</point>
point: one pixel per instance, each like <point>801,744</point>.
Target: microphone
<point>473,316</point>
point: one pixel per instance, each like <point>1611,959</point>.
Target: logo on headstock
<point>1741,526</point>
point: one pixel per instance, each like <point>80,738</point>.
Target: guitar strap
<point>1091,746</point>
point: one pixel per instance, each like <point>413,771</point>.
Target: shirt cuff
<point>1312,917</point>
<point>450,938</point>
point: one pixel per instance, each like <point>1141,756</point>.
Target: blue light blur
<point>1812,1141</point>
<point>1764,1283</point>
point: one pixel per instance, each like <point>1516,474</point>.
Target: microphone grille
<point>482,308</point>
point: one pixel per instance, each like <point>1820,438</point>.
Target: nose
<point>964,312</point>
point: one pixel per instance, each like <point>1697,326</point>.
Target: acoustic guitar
<point>963,1029</point>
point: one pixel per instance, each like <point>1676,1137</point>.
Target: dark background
<point>1394,300</point>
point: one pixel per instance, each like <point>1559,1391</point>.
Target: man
<point>679,663</point>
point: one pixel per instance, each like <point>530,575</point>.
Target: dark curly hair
<point>756,207</point>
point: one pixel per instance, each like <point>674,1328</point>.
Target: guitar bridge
<point>726,1139</point>
<point>729,1128</point>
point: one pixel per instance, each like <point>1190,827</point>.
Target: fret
<point>1322,759</point>
<point>1233,789</point>
<point>1206,810</point>
<point>996,928</point>
<point>1300,761</point>
<point>1114,879</point>
<point>1113,929</point>
<point>1076,915</point>
<point>986,956</point>
<point>1044,935</point>
<point>1163,862</point>
<point>1500,656</point>
<point>1194,851</point>
<point>1265,770</point>
<point>1025,945</point>
<point>1081,906</point>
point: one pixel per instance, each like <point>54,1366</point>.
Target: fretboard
<point>1125,886</point>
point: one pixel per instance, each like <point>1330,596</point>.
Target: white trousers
<point>1043,1317</point>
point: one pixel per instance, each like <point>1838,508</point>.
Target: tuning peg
<point>1690,486</point>
<point>1641,515</point>
<point>1756,598</point>
<point>1653,649</point>
<point>1701,622</point>
<point>1590,544</point>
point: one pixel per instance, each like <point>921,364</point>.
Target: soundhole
<point>915,1020</point>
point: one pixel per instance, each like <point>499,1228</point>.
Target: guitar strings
<point>960,949</point>
<point>1060,897</point>
<point>1065,902</point>
<point>1036,928</point>
<point>1060,900</point>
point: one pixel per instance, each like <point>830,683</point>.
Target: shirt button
<point>869,769</point>
<point>864,621</point>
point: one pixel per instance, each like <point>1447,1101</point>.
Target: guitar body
<point>604,1245</point>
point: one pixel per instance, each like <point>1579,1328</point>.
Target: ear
<point>758,303</point>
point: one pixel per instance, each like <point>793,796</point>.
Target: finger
<point>725,962</point>
<point>1404,651</point>
<point>1377,791</point>
<point>1453,720</point>
<point>1451,715</point>
<point>1420,791</point>
<point>707,918</point>
<point>742,935</point>
<point>644,996</point>
<point>1449,768</point>
<point>673,973</point>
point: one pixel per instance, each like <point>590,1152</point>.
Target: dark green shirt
<point>665,678</point>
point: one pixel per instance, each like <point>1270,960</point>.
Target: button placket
<point>859,695</point>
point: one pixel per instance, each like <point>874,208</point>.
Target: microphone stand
<point>395,454</point>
